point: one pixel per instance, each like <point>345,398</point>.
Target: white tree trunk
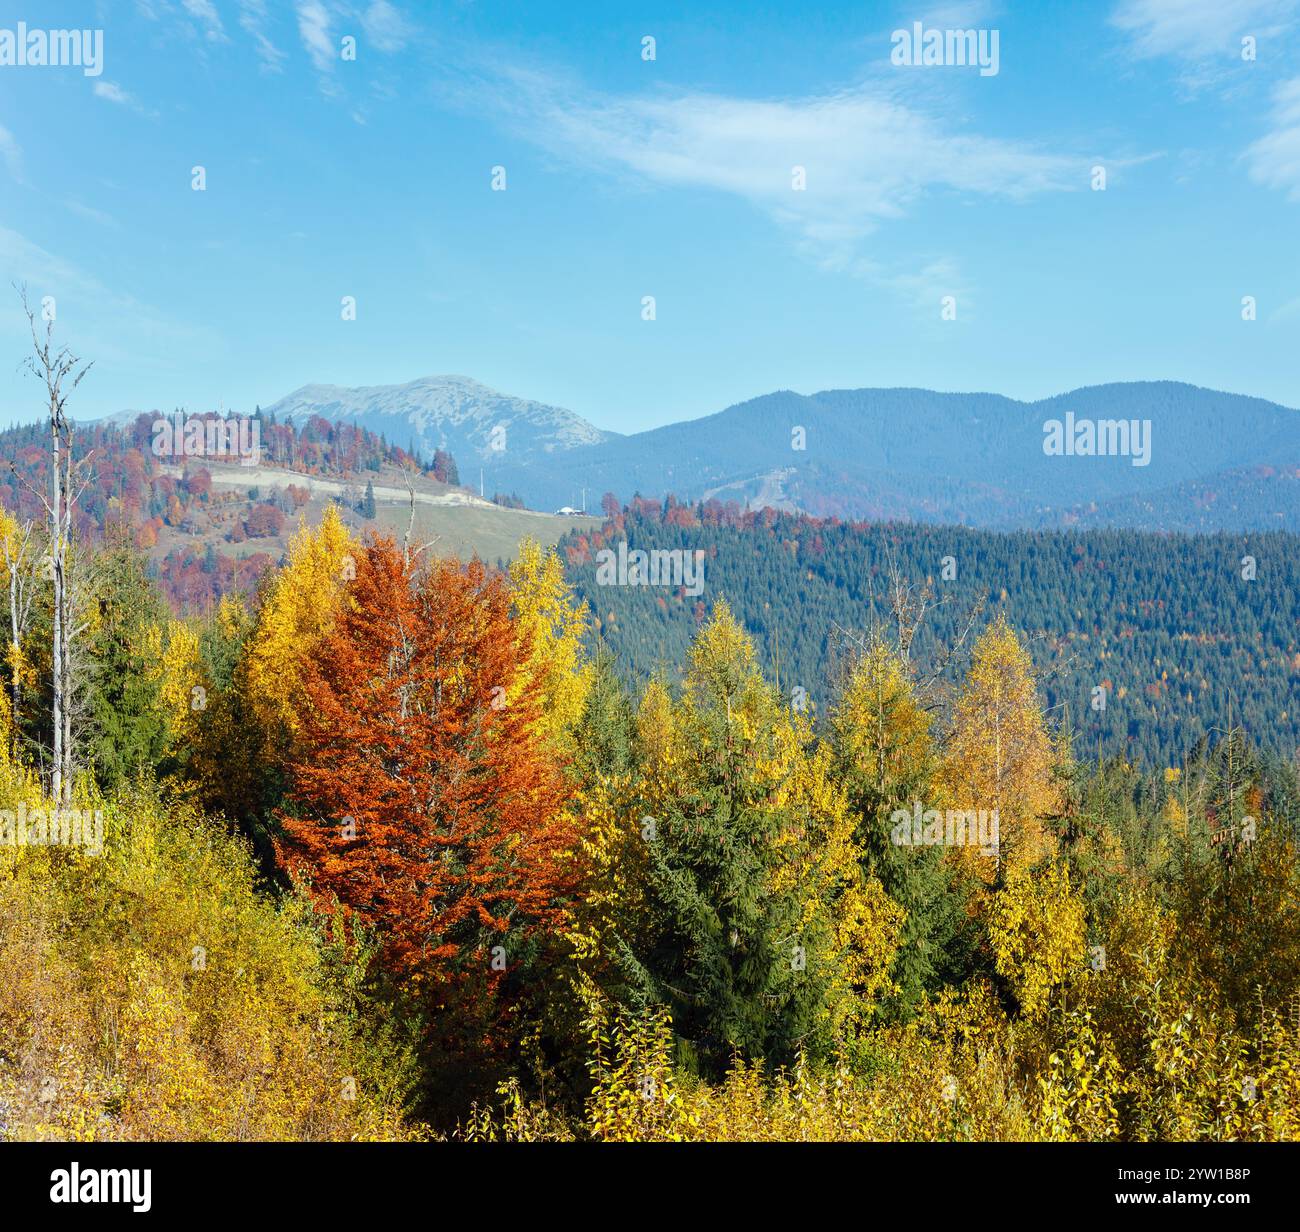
<point>57,787</point>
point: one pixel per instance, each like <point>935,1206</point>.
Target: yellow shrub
<point>149,993</point>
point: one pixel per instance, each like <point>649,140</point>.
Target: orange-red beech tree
<point>420,796</point>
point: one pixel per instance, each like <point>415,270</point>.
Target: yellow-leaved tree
<point>1000,754</point>
<point>549,627</point>
<point>183,683</point>
<point>16,560</point>
<point>848,924</point>
<point>298,609</point>
<point>1036,929</point>
<point>246,731</point>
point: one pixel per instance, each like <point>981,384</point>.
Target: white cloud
<point>385,27</point>
<point>314,30</point>
<point>958,14</point>
<point>113,93</point>
<point>380,22</point>
<point>253,21</point>
<point>113,326</point>
<point>868,158</point>
<point>205,13</point>
<point>1274,160</point>
<point>89,211</point>
<point>1286,312</point>
<point>1199,29</point>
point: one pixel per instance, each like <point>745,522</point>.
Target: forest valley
<point>391,851</point>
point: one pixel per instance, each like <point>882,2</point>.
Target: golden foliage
<point>549,627</point>
<point>1000,755</point>
<point>150,993</point>
<point>1036,930</point>
<point>297,611</point>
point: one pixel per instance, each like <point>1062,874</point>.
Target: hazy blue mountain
<point>975,459</point>
<point>1217,461</point>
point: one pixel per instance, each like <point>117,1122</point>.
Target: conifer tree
<point>769,940</point>
<point>887,762</point>
<point>128,727</point>
<point>1000,755</point>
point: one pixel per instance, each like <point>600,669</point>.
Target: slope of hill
<point>453,520</point>
<point>1166,625</point>
<point>211,526</point>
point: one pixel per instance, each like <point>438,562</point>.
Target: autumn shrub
<point>924,1087</point>
<point>150,992</point>
<point>960,1071</point>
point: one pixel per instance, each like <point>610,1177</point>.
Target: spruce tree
<point>128,732</point>
<point>886,760</point>
<point>769,941</point>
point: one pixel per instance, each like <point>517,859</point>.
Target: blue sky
<point>672,178</point>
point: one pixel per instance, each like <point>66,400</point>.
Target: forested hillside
<point>1176,630</point>
<point>204,540</point>
<point>391,854</point>
<point>836,832</point>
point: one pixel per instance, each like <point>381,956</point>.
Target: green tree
<point>765,937</point>
<point>886,761</point>
<point>128,727</point>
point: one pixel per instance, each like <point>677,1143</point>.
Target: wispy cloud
<point>921,288</point>
<point>1286,312</point>
<point>866,158</point>
<point>958,14</point>
<point>253,20</point>
<point>323,23</point>
<point>1274,160</point>
<point>11,154</point>
<point>314,30</point>
<point>386,29</point>
<point>205,13</point>
<point>377,24</point>
<point>111,92</point>
<point>113,326</point>
<point>1199,29</point>
<point>95,216</point>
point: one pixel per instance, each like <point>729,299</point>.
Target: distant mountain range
<point>1197,459</point>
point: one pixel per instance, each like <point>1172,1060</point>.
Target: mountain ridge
<point>900,452</point>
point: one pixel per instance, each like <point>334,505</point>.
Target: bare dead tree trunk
<point>408,553</point>
<point>65,625</point>
<point>56,576</point>
<point>61,372</point>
